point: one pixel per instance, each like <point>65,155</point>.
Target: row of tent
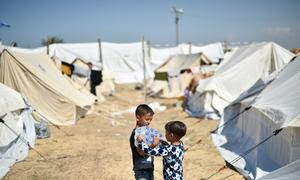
<point>274,108</point>
<point>32,73</point>
<point>256,94</point>
<point>244,73</point>
<point>32,87</point>
<point>124,60</point>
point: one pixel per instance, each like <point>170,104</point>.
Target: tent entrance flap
<point>161,76</point>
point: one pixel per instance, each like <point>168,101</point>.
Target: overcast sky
<point>123,21</point>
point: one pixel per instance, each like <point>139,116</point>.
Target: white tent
<point>169,77</point>
<point>159,56</point>
<point>51,94</point>
<point>17,116</point>
<point>274,106</point>
<point>125,61</point>
<point>236,75</point>
<point>213,51</point>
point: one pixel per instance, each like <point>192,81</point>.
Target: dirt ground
<point>97,147</point>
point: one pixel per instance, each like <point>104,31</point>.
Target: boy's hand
<point>140,138</point>
<point>156,140</point>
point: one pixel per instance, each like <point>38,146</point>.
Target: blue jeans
<point>146,174</point>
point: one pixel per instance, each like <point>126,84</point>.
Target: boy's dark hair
<point>143,109</point>
<point>178,128</point>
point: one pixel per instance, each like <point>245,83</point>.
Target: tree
<point>51,40</point>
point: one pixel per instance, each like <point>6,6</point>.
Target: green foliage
<point>51,40</point>
<point>34,177</point>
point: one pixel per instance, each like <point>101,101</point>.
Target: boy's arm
<point>140,152</point>
<point>156,141</point>
<point>161,151</point>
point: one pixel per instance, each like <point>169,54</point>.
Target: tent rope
<point>28,106</point>
<point>233,118</point>
<point>277,131</point>
<point>22,139</point>
<point>213,131</point>
<point>67,134</point>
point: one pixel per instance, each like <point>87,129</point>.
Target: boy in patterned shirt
<point>172,153</point>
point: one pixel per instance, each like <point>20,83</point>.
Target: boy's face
<point>144,120</point>
<point>170,136</point>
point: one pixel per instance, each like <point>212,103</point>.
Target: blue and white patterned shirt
<point>172,159</point>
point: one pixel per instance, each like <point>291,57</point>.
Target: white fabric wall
<point>275,107</point>
<point>18,118</point>
<point>239,73</point>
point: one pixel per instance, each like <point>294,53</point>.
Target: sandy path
<point>97,147</point>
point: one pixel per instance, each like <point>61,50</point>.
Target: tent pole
<point>144,69</point>
<point>190,47</point>
<point>48,49</point>
<point>149,49</point>
<point>100,53</point>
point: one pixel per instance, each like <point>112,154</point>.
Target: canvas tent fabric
<point>37,78</point>
<point>159,56</point>
<point>124,60</point>
<point>274,106</point>
<point>181,62</point>
<point>236,75</point>
<point>18,116</point>
<point>170,79</point>
<point>213,51</point>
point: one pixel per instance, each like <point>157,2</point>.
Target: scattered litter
<point>42,130</point>
<point>155,106</point>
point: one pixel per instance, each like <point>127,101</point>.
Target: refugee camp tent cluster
<point>123,62</point>
<point>16,128</point>
<point>158,56</point>
<point>178,65</point>
<point>236,75</point>
<point>175,74</point>
<point>259,133</point>
<point>53,97</point>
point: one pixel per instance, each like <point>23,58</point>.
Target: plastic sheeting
<point>19,118</point>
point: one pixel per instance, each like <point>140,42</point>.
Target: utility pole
<point>177,13</point>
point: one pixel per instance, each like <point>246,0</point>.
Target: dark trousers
<point>95,80</point>
<point>145,174</point>
<point>93,88</point>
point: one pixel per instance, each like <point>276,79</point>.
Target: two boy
<point>172,153</point>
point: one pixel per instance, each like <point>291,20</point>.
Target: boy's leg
<point>143,174</point>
